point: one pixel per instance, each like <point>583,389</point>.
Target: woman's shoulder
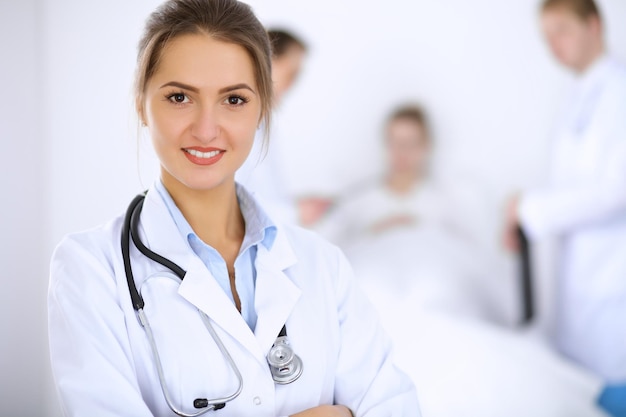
<point>87,251</point>
<point>94,238</point>
<point>311,247</point>
<point>315,256</point>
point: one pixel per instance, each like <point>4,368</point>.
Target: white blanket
<point>442,271</point>
<point>464,367</point>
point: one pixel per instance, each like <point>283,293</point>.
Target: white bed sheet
<point>463,366</point>
<point>444,272</point>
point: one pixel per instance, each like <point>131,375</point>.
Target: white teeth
<point>199,154</point>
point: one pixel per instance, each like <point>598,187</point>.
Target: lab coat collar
<point>275,294</point>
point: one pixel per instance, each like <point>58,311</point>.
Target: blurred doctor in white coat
<point>203,87</point>
<point>264,171</point>
<point>584,203</point>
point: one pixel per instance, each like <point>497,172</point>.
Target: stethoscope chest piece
<point>285,365</point>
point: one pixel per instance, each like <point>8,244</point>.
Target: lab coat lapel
<point>276,295</point>
<point>199,286</point>
<point>202,290</point>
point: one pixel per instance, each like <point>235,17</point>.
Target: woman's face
<point>202,109</point>
<point>407,146</point>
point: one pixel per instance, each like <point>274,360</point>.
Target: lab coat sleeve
<point>89,347</point>
<point>368,381</point>
<point>559,209</point>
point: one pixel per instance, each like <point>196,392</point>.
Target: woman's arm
<point>326,411</point>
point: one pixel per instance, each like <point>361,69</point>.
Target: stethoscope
<point>284,364</point>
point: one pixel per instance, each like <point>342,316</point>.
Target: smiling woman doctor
<point>196,301</point>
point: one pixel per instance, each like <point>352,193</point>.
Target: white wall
<point>90,132</point>
<point>89,122</point>
<point>68,146</point>
<point>479,67</point>
<point>23,355</point>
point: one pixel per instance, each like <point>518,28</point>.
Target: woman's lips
<point>203,156</point>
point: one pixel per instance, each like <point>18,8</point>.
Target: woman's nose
<point>206,124</point>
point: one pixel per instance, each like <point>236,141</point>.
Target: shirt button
<point>257,400</point>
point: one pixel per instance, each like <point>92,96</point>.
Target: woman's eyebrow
<point>180,85</point>
<point>221,91</point>
<point>236,87</point>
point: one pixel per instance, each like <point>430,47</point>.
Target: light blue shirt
<point>258,229</point>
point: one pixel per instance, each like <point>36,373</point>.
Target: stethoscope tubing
<point>166,393</point>
<point>130,230</point>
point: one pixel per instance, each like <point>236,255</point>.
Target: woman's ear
<point>140,110</point>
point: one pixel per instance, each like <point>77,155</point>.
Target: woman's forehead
<point>204,62</point>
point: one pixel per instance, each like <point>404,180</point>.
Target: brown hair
<point>412,113</point>
<point>224,20</point>
<point>282,40</point>
<point>583,9</point>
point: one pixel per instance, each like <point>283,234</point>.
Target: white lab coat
<point>585,205</point>
<point>101,359</point>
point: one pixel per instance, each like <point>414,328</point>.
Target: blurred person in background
<point>407,229</point>
<point>263,172</point>
<point>584,201</point>
<point>412,241</point>
<point>403,197</point>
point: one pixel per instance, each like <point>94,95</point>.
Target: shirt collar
<point>259,227</point>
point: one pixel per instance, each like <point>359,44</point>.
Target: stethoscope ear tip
<point>200,403</point>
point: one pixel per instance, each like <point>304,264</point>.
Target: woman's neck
<point>214,214</point>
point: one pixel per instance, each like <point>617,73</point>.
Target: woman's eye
<point>236,100</point>
<point>178,98</point>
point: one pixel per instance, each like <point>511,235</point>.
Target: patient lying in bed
<point>416,252</point>
<point>407,226</point>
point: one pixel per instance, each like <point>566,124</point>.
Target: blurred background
<point>72,156</point>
